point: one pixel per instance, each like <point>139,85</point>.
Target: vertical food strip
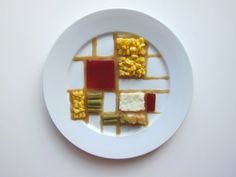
<point>150,102</point>
<point>77,104</point>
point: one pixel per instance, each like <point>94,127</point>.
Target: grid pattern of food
<point>102,74</point>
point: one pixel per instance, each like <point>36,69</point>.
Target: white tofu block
<point>76,75</point>
<point>109,102</point>
<point>86,49</point>
<point>105,45</point>
<point>139,84</point>
<point>132,101</point>
<point>156,67</point>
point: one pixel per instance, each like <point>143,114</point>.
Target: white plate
<point>135,142</point>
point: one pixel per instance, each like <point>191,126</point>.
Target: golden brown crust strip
<point>146,91</point>
<point>94,47</point>
<point>154,55</point>
<point>81,58</point>
<point>166,77</point>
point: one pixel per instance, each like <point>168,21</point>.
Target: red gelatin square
<point>150,102</point>
<point>100,74</point>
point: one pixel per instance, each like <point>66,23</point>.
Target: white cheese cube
<point>132,101</point>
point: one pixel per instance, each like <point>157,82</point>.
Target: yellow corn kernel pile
<point>133,47</point>
<point>77,104</point>
<point>131,51</point>
<point>130,67</point>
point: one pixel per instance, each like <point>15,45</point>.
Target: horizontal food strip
<point>124,119</point>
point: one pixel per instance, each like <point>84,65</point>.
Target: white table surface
<point>205,145</point>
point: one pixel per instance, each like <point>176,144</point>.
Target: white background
<point>205,145</point>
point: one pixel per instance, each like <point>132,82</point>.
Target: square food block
<point>100,74</point>
<point>150,102</point>
<point>132,101</point>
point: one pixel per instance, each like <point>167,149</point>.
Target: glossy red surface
<point>150,102</point>
<point>100,74</point>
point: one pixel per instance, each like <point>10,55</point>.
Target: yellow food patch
<point>131,52</point>
<point>131,46</point>
<point>132,67</point>
<point>77,104</point>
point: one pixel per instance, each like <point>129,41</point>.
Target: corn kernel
<point>128,52</point>
<point>133,49</point>
<point>134,56</point>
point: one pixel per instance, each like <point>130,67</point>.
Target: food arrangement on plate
<point>102,74</point>
<point>114,94</point>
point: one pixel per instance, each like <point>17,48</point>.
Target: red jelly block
<point>100,74</point>
<point>150,102</point>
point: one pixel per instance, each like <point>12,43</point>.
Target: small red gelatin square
<point>150,102</point>
<point>100,74</point>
